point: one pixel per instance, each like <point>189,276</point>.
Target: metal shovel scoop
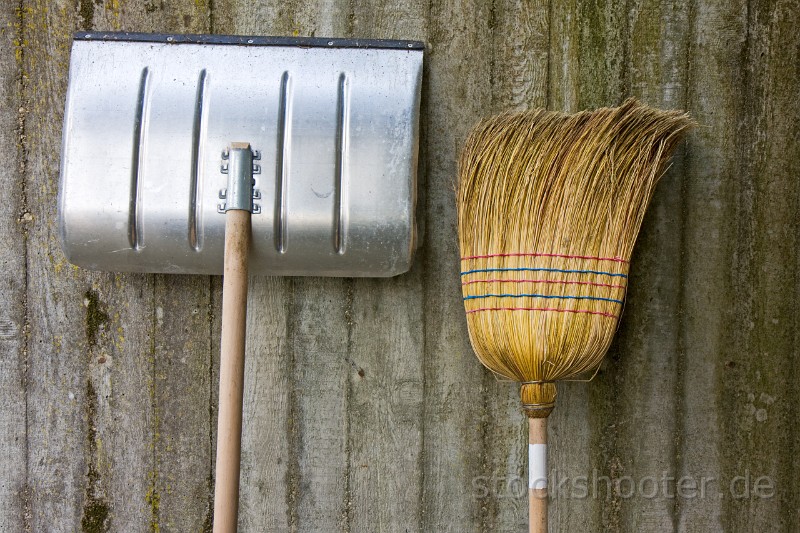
<point>281,156</point>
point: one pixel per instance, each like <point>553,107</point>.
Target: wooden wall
<point>365,410</point>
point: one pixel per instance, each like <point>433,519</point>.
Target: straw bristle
<point>549,206</point>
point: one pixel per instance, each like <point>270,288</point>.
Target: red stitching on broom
<point>586,311</point>
<point>593,284</point>
<point>614,259</point>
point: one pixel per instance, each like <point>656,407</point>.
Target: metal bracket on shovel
<point>239,166</point>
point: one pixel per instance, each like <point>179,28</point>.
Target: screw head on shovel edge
<point>336,130</point>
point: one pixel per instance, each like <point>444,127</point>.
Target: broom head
<point>549,206</point>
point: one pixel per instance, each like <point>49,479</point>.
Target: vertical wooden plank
<point>718,40</point>
<point>59,384</point>
<point>407,19</point>
<point>562,94</point>
<point>319,426</point>
<point>13,220</point>
<point>520,55</point>
<point>264,492</point>
<point>386,405</point>
<point>457,95</point>
<point>648,381</point>
<point>386,354</point>
<point>119,400</point>
<point>179,491</point>
<point>758,366</point>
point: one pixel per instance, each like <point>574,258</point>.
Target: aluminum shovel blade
<point>334,127</point>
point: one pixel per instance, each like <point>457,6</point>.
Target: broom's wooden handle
<point>231,371</point>
<point>537,474</point>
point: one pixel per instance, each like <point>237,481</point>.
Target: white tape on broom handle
<point>537,466</point>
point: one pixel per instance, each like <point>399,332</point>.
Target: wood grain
<point>458,94</point>
<point>718,39</point>
<point>365,409</point>
<point>762,341</point>
<point>13,322</point>
<point>266,454</point>
<point>61,397</point>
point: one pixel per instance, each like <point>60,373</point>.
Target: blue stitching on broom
<point>477,297</point>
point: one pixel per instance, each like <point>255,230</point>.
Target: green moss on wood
<point>95,517</point>
<point>95,509</point>
<point>96,316</point>
<point>153,499</point>
<point>208,522</point>
<point>86,11</point>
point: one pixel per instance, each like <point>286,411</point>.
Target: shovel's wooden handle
<point>231,371</point>
<point>537,468</point>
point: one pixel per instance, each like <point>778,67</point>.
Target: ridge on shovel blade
<point>334,127</point>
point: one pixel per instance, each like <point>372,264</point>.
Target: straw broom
<point>549,206</point>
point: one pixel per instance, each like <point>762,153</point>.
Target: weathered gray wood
<point>319,323</point>
<point>119,402</point>
<point>458,94</point>
<point>266,455</point>
<point>182,392</point>
<point>718,34</point>
<point>324,18</point>
<point>648,352</point>
<point>58,420</point>
<point>758,425</point>
<point>776,132</point>
<point>385,445</point>
<point>13,221</point>
<point>521,52</point>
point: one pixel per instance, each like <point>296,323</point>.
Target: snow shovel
<point>203,154</point>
